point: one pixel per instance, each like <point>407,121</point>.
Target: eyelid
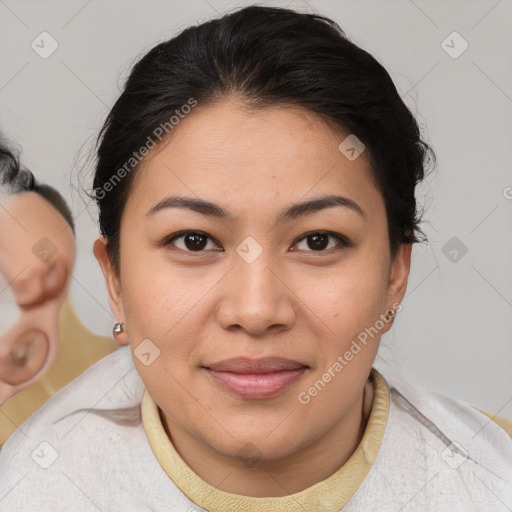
<point>168,239</point>
<point>343,241</point>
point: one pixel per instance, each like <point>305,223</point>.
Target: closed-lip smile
<point>255,378</point>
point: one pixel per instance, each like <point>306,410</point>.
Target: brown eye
<point>25,358</point>
<point>318,241</point>
<point>191,241</point>
<point>195,242</point>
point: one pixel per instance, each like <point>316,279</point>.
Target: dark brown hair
<point>267,56</point>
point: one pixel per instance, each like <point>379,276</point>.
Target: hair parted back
<point>268,56</point>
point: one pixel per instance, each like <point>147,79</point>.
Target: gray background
<point>454,332</point>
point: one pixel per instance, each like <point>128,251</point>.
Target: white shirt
<point>436,454</point>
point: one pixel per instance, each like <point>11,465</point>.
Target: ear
<point>397,284</point>
<point>113,284</point>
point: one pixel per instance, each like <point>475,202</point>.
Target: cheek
<point>159,297</point>
<point>347,298</point>
<point>14,255</point>
<point>162,311</point>
<point>153,303</point>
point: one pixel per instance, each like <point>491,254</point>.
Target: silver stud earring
<point>118,328</point>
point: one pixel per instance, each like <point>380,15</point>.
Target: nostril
<point>25,358</point>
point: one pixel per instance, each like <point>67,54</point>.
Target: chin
<point>252,447</point>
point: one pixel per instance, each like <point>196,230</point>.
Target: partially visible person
<point>37,255</point>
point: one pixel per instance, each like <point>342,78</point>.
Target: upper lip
<point>248,365</point>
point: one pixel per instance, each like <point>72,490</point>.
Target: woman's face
<point>37,253</point>
<point>251,283</point>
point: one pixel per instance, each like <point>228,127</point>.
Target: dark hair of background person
<point>268,57</point>
<point>18,179</point>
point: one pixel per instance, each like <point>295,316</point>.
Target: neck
<point>277,478</point>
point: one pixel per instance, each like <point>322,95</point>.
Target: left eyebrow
<point>291,213</point>
<point>315,205</point>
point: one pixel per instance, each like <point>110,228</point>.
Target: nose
<point>21,361</point>
<point>256,298</point>
<point>39,282</point>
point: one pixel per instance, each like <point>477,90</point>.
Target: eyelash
<point>343,242</point>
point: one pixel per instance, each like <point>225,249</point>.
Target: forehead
<point>28,206</point>
<point>26,218</point>
<point>241,157</point>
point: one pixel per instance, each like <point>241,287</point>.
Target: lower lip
<point>256,385</point>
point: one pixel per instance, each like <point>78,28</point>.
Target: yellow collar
<point>329,495</point>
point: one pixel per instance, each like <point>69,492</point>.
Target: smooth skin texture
<point>294,301</point>
<point>39,280</point>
